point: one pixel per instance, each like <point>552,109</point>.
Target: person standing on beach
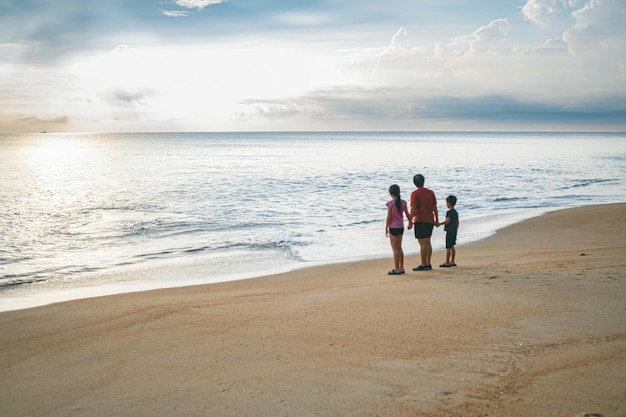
<point>425,217</point>
<point>451,226</point>
<point>394,228</point>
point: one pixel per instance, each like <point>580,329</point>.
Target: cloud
<point>121,49</point>
<point>486,39</point>
<point>32,123</point>
<point>128,96</point>
<point>588,23</point>
<point>599,26</point>
<point>198,4</point>
<point>399,41</point>
<point>541,12</point>
<point>34,120</point>
<point>551,47</point>
<point>123,97</point>
<point>492,61</point>
<point>385,108</point>
<point>482,77</point>
<point>496,29</point>
<point>174,13</point>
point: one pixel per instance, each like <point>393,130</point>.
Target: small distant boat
<point>44,131</point>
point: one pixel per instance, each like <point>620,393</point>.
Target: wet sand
<point>531,323</point>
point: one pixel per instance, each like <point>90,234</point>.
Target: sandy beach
<point>531,323</point>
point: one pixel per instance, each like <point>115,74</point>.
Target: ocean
<point>83,215</point>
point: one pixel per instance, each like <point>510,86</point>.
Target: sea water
<point>92,214</point>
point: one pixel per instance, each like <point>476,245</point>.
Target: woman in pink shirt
<point>394,229</point>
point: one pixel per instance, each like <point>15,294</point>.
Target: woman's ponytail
<point>394,190</point>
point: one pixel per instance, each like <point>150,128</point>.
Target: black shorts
<point>450,240</point>
<point>423,230</point>
<point>396,231</point>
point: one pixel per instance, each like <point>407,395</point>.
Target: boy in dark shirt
<point>451,227</point>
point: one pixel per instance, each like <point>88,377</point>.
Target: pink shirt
<point>397,219</point>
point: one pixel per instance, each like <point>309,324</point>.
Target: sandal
<point>422,268</point>
<point>394,272</point>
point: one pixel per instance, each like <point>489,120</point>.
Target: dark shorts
<point>450,240</point>
<point>423,230</point>
<point>396,231</point>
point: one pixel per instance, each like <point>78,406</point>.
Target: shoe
<point>445,265</point>
<point>422,268</point>
<point>429,267</point>
<point>394,272</point>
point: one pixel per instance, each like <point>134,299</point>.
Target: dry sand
<point>531,323</point>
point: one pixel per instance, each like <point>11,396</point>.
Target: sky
<point>277,65</point>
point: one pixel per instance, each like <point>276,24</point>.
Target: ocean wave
<point>359,223</point>
<point>509,199</point>
<point>284,246</point>
<point>16,260</point>
<point>10,283</point>
<point>589,182</point>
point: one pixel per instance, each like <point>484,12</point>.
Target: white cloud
<point>174,13</point>
<point>198,4</point>
<point>551,47</point>
<point>399,41</point>
<point>121,49</point>
<point>491,62</point>
<point>491,38</point>
<point>37,121</point>
<point>540,12</point>
<point>126,97</point>
<point>599,26</point>
<point>487,39</point>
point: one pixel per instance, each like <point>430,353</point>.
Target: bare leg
<point>426,251</point>
<point>400,263</point>
<point>422,252</point>
<point>398,253</point>
<point>429,251</point>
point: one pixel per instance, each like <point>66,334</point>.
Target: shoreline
<point>142,279</point>
<point>531,322</point>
